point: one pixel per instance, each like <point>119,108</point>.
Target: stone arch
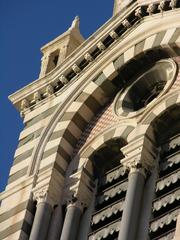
<point>80,174</point>
<point>119,131</point>
<point>69,125</point>
<point>154,112</point>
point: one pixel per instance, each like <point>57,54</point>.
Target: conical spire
<point>119,5</point>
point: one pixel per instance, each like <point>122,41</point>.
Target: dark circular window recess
<point>146,88</point>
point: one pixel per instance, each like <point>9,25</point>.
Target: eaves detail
<point>55,84</point>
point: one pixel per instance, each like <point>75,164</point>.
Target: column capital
<point>42,195</point>
<point>78,190</point>
<point>135,166</point>
<point>76,202</point>
<point>140,155</point>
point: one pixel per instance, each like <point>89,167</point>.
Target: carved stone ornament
<point>162,5</point>
<point>40,195</point>
<point>49,90</point>
<point>126,23</point>
<point>75,202</point>
<point>136,166</point>
<point>37,97</point>
<point>151,9</point>
<point>43,196</point>
<point>113,34</point>
<point>101,46</point>
<point>88,57</point>
<point>63,79</point>
<point>24,104</point>
<point>173,4</point>
<point>76,69</point>
<point>139,12</point>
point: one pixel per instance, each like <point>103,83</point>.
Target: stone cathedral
<point>99,155</point>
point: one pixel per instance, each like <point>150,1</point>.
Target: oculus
<point>146,88</point>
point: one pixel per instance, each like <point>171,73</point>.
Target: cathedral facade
<point>99,155</point>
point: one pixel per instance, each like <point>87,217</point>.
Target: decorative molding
<point>138,12</point>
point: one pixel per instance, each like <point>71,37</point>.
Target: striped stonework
<point>76,117</point>
<point>176,84</point>
<point>59,130</point>
<point>117,131</point>
<point>16,214</point>
<point>81,169</point>
<point>171,99</point>
<point>28,139</point>
<point>68,130</point>
<point>165,104</point>
<point>161,40</point>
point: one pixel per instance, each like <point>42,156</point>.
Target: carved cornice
<point>70,70</point>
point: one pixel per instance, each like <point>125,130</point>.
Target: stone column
<point>55,226</point>
<point>70,229</point>
<point>131,212</point>
<point>140,154</point>
<point>42,217</point>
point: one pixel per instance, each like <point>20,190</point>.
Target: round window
<point>146,88</point>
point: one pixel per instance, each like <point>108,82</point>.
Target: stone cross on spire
<point>120,4</point>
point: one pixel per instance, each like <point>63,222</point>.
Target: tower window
<point>111,190</point>
<point>53,61</point>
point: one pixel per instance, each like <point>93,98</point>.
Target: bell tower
<point>99,155</point>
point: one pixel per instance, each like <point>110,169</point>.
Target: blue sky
<point>25,26</point>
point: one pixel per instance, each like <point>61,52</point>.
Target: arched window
<point>166,203</point>
<point>112,181</point>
